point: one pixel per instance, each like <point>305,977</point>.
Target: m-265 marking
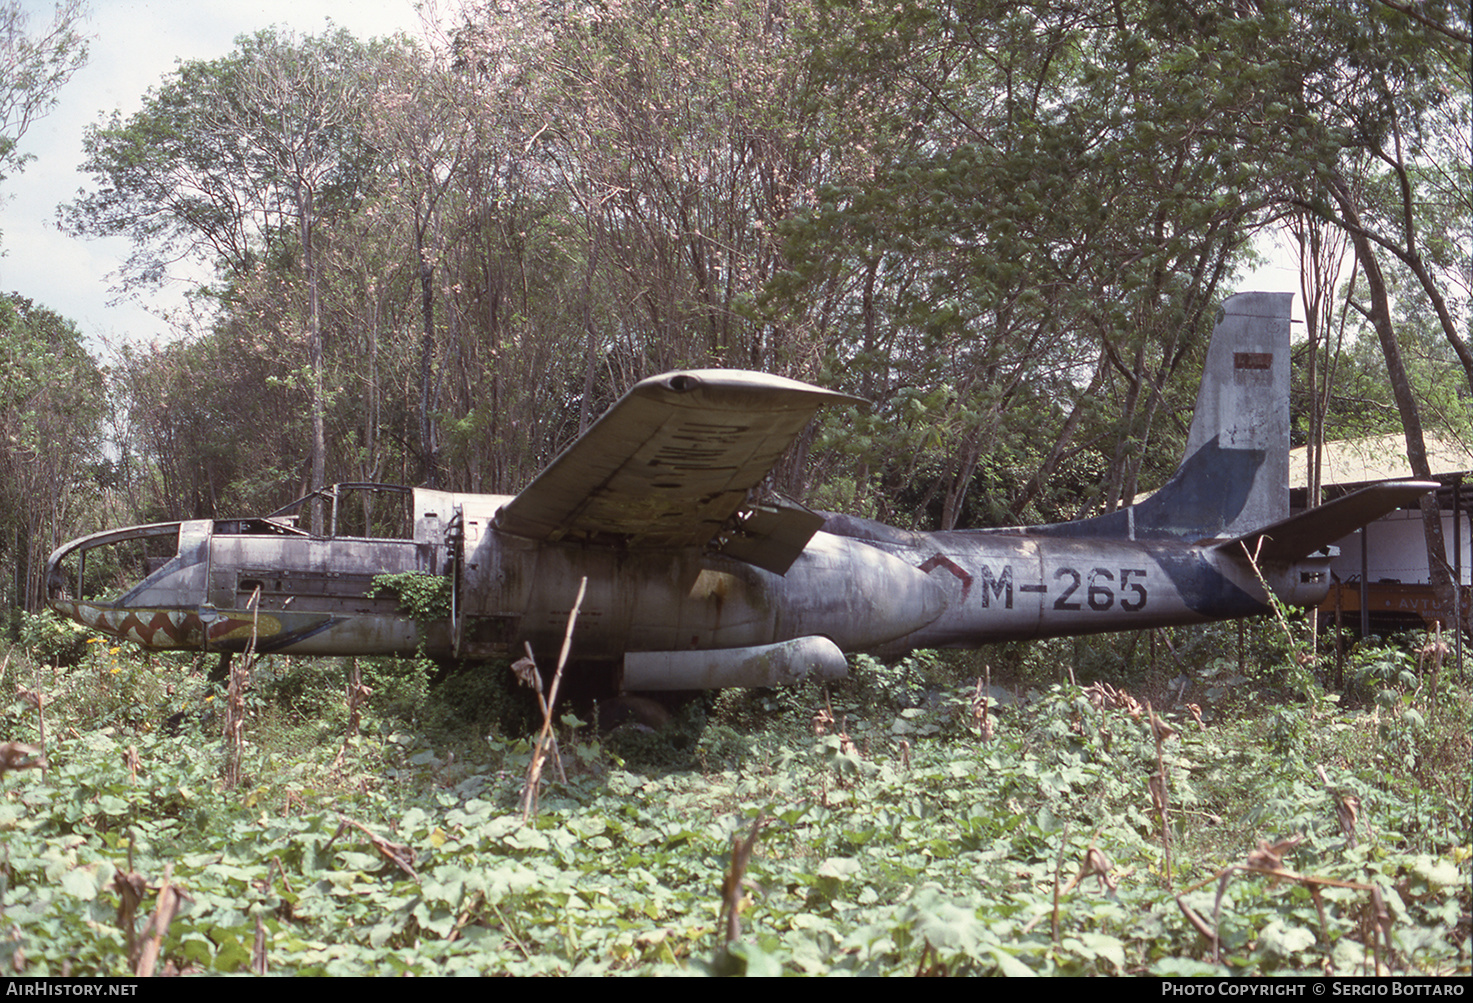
<point>1099,585</point>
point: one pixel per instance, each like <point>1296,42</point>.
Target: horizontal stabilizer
<point>1301,535</point>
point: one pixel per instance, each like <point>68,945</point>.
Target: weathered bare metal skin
<point>691,583</point>
<point>781,664</point>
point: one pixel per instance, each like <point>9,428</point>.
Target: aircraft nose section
<point>86,614</point>
<point>154,575</point>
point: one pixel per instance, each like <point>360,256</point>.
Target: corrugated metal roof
<point>1377,458</point>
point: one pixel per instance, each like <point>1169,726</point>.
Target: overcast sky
<point>133,44</point>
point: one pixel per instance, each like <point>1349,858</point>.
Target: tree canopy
<point>1008,225</point>
<point>52,411</point>
<point>33,67</point>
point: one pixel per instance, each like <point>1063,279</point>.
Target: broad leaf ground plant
<point>907,821</point>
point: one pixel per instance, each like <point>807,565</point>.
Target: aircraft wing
<point>1301,535</point>
<point>670,463</point>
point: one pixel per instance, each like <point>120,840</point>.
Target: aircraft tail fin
<point>1235,475</point>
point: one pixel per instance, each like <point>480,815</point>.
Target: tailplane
<point>1299,536</point>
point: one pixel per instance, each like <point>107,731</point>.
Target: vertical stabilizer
<point>1243,411</point>
<point>1235,474</point>
<point>1241,424</point>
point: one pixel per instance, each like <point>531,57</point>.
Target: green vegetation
<point>424,597</point>
<point>899,830</point>
<point>1006,224</point>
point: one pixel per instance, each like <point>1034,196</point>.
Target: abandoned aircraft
<point>694,584</point>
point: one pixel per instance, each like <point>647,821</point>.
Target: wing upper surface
<point>670,462</point>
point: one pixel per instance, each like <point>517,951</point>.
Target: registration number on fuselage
<point>1099,589</point>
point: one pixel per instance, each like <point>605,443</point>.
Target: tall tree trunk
<point>428,461</point>
<point>1379,314</point>
<point>590,347</point>
<point>23,575</point>
<point>314,352</point>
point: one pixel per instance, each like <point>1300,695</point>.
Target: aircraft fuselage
<point>695,581</point>
<point>263,585</point>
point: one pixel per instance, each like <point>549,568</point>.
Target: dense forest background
<point>435,260</point>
